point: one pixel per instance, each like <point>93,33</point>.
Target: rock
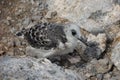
<point>96,45</point>
<point>93,19</point>
<point>103,65</point>
<point>115,78</point>
<point>97,69</point>
<point>74,59</point>
<point>92,51</point>
<point>112,31</point>
<point>99,66</point>
<point>0,11</point>
<point>116,1</point>
<point>93,78</point>
<point>3,49</point>
<point>100,76</point>
<point>27,68</point>
<point>9,18</point>
<point>115,75</point>
<point>7,22</point>
<point>26,21</point>
<point>50,14</point>
<point>115,56</point>
<point>107,76</point>
<point>100,39</point>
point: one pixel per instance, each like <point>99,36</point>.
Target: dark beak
<point>83,40</point>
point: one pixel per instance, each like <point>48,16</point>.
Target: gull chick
<point>49,39</point>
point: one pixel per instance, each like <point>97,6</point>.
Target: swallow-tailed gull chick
<point>48,39</point>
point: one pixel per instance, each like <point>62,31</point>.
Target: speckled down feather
<point>45,35</point>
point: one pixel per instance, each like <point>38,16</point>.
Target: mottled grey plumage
<point>45,35</point>
<point>48,39</point>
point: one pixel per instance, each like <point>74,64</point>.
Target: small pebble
<point>9,18</point>
<point>100,76</point>
<point>0,11</point>
<point>107,76</point>
<point>10,3</point>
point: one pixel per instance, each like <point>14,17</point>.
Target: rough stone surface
<point>112,31</point>
<point>101,17</point>
<point>93,15</point>
<point>27,68</point>
<point>96,45</point>
<point>100,39</point>
<point>99,69</point>
<point>115,56</point>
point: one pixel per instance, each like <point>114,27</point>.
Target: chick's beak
<point>82,40</point>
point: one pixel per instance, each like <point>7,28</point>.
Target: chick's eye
<point>73,32</point>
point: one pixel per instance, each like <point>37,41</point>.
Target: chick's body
<point>48,39</point>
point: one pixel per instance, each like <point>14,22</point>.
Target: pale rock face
<point>33,69</point>
<point>91,15</point>
<point>96,45</point>
<point>115,56</point>
<point>100,39</point>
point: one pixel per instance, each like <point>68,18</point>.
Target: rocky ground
<point>99,60</point>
